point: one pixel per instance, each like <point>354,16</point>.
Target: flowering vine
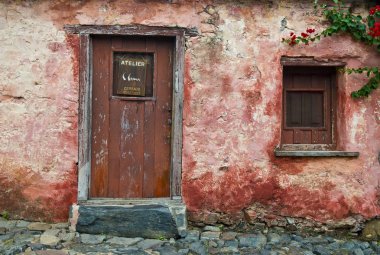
<point>363,29</point>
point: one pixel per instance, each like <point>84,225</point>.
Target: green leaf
<point>343,20</point>
<point>371,21</point>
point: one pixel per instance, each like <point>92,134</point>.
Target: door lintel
<point>134,29</point>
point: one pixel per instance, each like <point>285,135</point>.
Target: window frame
<point>313,64</point>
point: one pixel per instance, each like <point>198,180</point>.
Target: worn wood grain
<point>131,152</point>
<point>138,132</point>
<point>307,147</point>
<point>309,61</point>
<point>281,153</point>
<point>84,120</point>
<point>149,149</point>
<point>308,102</point>
<point>130,30</point>
<point>100,118</point>
<point>128,134</point>
<point>178,90</point>
<point>150,108</point>
<point>87,33</point>
<point>163,118</point>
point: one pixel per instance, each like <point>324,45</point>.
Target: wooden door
<point>132,80</point>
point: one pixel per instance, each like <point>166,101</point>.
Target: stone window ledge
<point>287,153</point>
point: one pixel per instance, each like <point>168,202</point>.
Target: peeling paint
<point>232,111</point>
<point>24,195</point>
<point>250,125</point>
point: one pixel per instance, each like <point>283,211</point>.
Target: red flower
<point>310,30</point>
<point>292,40</point>
<point>373,10</point>
<point>375,30</point>
<point>304,35</point>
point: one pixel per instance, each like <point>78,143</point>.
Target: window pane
<point>304,109</point>
<point>317,110</point>
<point>293,109</point>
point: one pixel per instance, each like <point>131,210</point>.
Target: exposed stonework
<point>371,230</point>
<point>232,112</point>
<point>207,240</point>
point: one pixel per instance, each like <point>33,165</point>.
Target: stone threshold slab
<point>149,220</point>
<point>117,201</point>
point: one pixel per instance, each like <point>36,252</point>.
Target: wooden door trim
<point>85,105</point>
<point>137,29</point>
<point>84,115</point>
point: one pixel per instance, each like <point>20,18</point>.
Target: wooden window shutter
<point>308,105</point>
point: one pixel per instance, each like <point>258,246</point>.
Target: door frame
<point>85,97</point>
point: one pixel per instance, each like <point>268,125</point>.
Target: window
<point>308,107</point>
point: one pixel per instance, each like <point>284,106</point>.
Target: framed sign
<point>132,74</point>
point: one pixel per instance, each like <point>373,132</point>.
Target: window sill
<point>282,153</point>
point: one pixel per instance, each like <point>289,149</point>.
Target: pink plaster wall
<point>232,111</point>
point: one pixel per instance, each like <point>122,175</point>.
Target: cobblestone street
<point>22,237</point>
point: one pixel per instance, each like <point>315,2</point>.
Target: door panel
<point>100,119</point>
<point>131,134</point>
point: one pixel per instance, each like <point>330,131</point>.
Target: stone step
<point>157,221</point>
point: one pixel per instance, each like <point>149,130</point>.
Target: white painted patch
<point>233,38</point>
<point>357,128</point>
<point>83,178</point>
<point>74,217</point>
<point>125,126</point>
<point>100,157</point>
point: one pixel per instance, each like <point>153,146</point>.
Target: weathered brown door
<point>131,117</point>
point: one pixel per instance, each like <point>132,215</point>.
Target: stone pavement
<point>22,237</point>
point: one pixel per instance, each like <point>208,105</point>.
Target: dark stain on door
<point>132,79</point>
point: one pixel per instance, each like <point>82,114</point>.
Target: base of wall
<point>152,220</point>
<point>259,217</point>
